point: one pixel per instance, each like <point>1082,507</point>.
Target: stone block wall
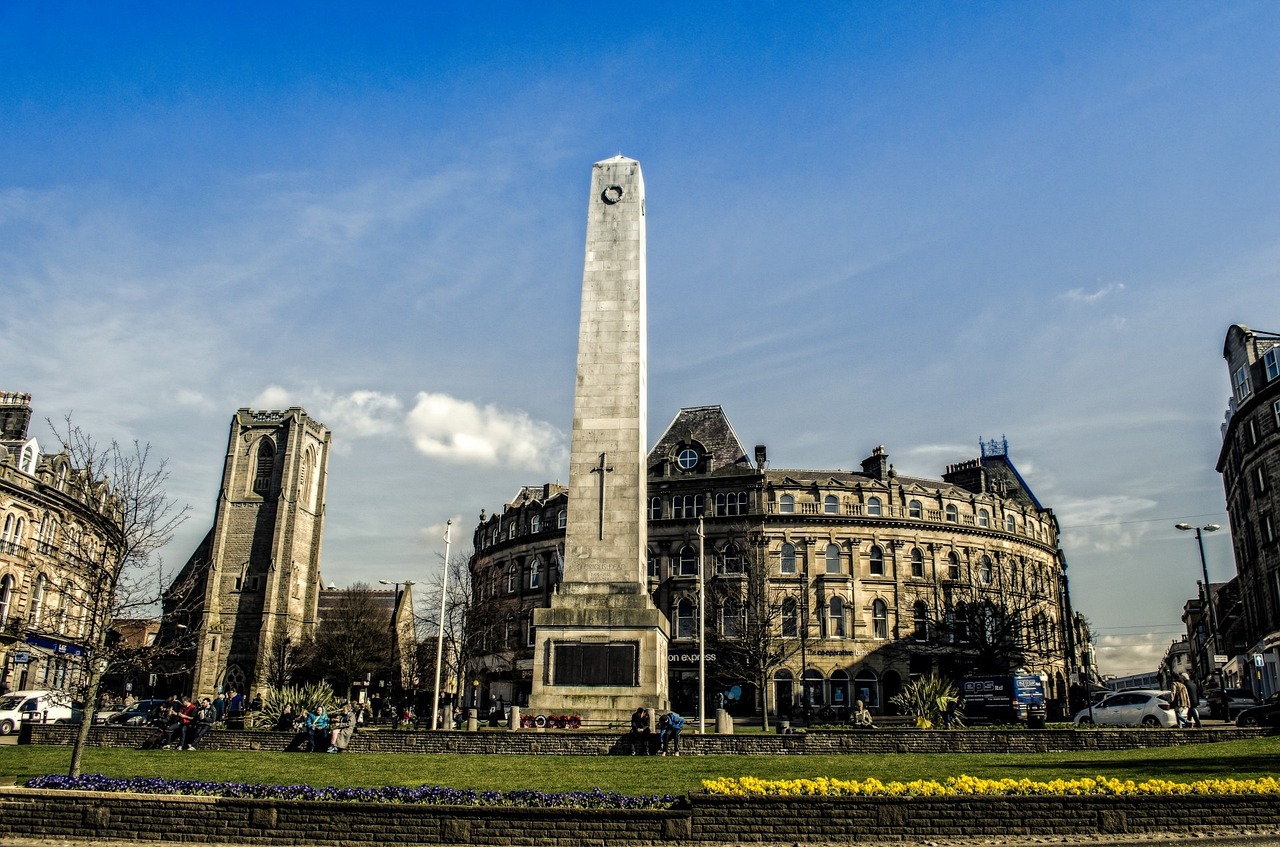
<point>27,814</point>
<point>579,743</point>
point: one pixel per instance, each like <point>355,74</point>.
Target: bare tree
<point>749,637</point>
<point>352,641</point>
<point>114,573</point>
<point>458,602</point>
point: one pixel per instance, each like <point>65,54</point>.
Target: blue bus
<point>1002,699</point>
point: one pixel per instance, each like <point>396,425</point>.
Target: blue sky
<point>904,224</point>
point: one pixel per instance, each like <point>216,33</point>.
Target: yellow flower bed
<point>958,786</point>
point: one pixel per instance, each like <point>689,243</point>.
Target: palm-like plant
<point>927,698</point>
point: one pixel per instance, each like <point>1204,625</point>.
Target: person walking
<point>1193,697</point>
<point>1181,702</point>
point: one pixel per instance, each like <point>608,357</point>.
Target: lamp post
<point>702,631</point>
<point>444,593</point>
<point>395,610</point>
<point>1211,665</point>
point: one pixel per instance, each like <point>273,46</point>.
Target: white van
<point>39,706</point>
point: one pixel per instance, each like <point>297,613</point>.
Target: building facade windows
<point>787,563</point>
<point>1271,362</point>
<point>953,514</point>
<point>686,506</point>
<point>687,561</point>
<point>987,569</point>
<point>874,507</point>
<point>917,563</point>
<point>915,509</point>
<point>535,523</point>
<point>265,466</point>
<point>790,618</point>
<point>686,622</point>
<point>833,558</point>
<point>876,561</point>
<point>880,620</point>
<point>731,504</point>
<point>535,573</point>
<point>835,616</point>
<point>984,518</point>
<point>831,505</point>
<point>920,621</point>
<point>787,504</point>
<point>687,459</point>
<point>561,519</point>
<point>953,565</point>
<point>1010,523</point>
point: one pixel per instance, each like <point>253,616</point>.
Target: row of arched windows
<point>535,524</point>
<point>876,507</point>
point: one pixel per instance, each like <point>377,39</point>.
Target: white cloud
<point>1106,524</point>
<point>1122,654</point>
<point>459,431</point>
<point>272,397</point>
<point>361,414</point>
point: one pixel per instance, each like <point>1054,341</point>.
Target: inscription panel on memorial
<point>613,664</point>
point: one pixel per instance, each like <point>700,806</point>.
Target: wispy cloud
<point>1080,295</point>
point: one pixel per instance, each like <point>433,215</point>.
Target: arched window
<point>535,523</point>
<point>37,600</point>
<point>874,506</point>
<point>984,517</point>
<point>265,466</point>
<point>535,572</point>
<point>917,562</point>
<point>511,529</point>
<point>305,477</point>
<point>686,506</point>
<point>961,623</point>
<point>953,565</point>
<point>731,503</point>
<point>833,558</point>
<point>866,687</point>
<point>513,576</point>
<point>790,618</point>
<point>831,504</point>
<point>731,618</point>
<point>877,561</point>
<point>688,561</point>
<point>835,614</point>
<point>731,559</point>
<point>953,514</point>
<point>920,621</point>
<point>686,623</point>
<point>1010,523</point>
<point>655,565</point>
<point>788,560</point>
<point>915,509</point>
<point>812,683</point>
<point>987,570</point>
<point>655,508</point>
<point>6,598</point>
<point>561,518</point>
<point>787,504</point>
<point>880,620</point>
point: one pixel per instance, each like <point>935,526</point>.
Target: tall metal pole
<point>444,593</point>
<point>702,635</point>
<point>1211,666</point>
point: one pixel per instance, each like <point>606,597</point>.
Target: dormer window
<point>687,459</point>
<point>1271,361</point>
<point>1243,387</point>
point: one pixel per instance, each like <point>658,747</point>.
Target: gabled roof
<point>708,427</point>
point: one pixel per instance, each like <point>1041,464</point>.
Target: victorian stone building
<point>862,578</point>
<point>252,585</point>
<point>1249,461</point>
<point>51,528</point>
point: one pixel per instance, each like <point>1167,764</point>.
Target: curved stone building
<point>841,584</point>
<point>51,522</point>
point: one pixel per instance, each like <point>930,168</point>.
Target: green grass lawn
<point>639,774</point>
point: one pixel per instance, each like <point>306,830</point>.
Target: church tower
<point>251,588</point>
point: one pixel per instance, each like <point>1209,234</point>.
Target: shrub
<point>927,698</point>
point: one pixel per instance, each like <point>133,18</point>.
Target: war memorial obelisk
<point>602,644</point>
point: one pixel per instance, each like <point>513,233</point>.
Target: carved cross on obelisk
<point>602,469</point>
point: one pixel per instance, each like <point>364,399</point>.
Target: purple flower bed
<point>425,794</point>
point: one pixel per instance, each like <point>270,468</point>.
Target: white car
<point>40,706</point>
<point>1131,708</point>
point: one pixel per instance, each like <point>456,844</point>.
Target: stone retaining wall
<point>27,813</point>
<point>571,743</point>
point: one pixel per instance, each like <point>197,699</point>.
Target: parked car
<point>37,705</point>
<point>1266,714</point>
<point>1130,708</point>
<point>140,713</point>
<point>1226,703</point>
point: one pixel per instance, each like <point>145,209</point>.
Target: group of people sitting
<point>323,731</point>
<point>670,725</point>
<point>185,722</point>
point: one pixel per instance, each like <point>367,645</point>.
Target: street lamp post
<point>1211,665</point>
<point>395,608</point>
<point>444,593</point>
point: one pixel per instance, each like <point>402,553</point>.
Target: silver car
<point>1131,708</point>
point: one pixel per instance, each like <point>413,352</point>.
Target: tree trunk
<point>86,723</point>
